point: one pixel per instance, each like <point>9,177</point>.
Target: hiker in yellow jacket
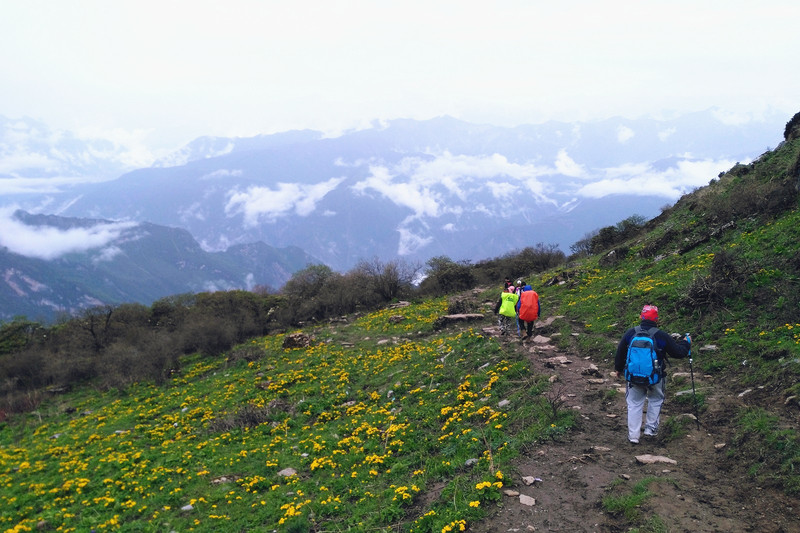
<point>506,307</point>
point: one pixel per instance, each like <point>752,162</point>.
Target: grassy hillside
<point>385,422</point>
<point>382,421</point>
<point>724,265</point>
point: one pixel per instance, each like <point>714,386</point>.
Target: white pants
<point>635,395</point>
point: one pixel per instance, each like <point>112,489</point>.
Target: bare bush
<point>461,305</point>
<point>208,336</point>
<point>250,416</point>
<point>724,278</point>
<point>445,276</point>
<point>556,398</point>
<point>248,352</point>
<point>388,280</point>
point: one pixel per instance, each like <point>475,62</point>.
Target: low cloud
<point>49,242</point>
<point>12,163</point>
<point>420,184</point>
<point>663,135</point>
<point>263,202</point>
<point>29,149</point>
<point>410,242</point>
<point>413,194</point>
<point>625,134</point>
<point>19,185</point>
<point>221,174</point>
<point>644,180</point>
<point>107,254</point>
<point>567,166</point>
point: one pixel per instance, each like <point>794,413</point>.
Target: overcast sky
<point>164,72</point>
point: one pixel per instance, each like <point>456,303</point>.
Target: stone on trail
<point>526,500</point>
<point>462,317</point>
<point>652,459</point>
<point>547,321</point>
<point>544,347</point>
<point>591,370</point>
<point>558,360</point>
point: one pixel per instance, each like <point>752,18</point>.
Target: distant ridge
<point>143,263</point>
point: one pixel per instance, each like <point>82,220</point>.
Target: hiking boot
<point>633,441</point>
<point>650,434</point>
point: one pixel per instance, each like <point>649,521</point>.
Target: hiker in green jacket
<point>506,308</point>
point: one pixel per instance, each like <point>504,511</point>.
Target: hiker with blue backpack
<point>641,357</point>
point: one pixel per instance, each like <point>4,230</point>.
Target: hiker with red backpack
<point>528,308</point>
<point>641,357</point>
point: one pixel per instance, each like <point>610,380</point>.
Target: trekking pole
<point>691,371</point>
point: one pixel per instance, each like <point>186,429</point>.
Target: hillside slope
<point>723,264</point>
<point>403,420</point>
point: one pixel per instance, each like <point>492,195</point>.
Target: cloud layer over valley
<point>401,188</point>
<point>48,242</point>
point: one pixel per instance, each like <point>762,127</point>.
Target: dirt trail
<point>703,491</point>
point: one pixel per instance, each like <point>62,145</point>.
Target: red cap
<point>650,312</point>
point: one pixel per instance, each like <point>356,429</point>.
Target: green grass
<point>654,524</point>
<point>759,432</point>
<point>628,503</point>
<point>380,437</point>
<point>752,314</point>
<point>675,428</point>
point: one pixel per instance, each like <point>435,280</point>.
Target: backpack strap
<point>663,355</point>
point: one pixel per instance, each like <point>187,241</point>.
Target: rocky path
<point>559,486</point>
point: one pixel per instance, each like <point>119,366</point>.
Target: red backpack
<point>529,306</point>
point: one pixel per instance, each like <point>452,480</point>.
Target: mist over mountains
<point>401,189</point>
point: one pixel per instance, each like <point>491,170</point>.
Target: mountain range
<point>399,189</point>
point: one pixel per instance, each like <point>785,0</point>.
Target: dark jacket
<point>665,345</point>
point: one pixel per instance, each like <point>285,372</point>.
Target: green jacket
<point>508,301</point>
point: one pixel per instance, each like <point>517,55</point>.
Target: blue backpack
<point>642,366</point>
